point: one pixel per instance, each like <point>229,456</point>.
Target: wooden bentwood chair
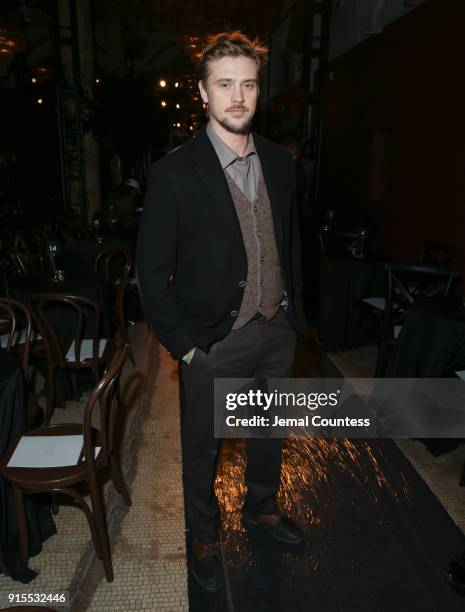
<point>19,333</point>
<point>116,266</point>
<point>84,348</point>
<point>98,452</point>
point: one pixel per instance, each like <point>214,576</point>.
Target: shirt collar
<point>225,154</point>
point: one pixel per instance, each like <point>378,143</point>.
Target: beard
<point>233,128</point>
<point>236,129</point>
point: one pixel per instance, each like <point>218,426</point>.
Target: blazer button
<point>234,313</point>
<point>242,284</point>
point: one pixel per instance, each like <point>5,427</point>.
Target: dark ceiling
<point>202,16</point>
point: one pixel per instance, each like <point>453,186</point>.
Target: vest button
<point>234,313</point>
<point>242,284</point>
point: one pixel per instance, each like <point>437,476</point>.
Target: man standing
<point>218,261</point>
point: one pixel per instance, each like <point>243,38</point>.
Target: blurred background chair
<point>116,266</point>
<point>72,326</point>
<point>17,334</point>
<point>406,283</point>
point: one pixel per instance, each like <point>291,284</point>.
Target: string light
<point>39,101</point>
<point>178,125</point>
<point>191,127</point>
<point>34,80</point>
<point>97,80</point>
<point>162,83</point>
<point>178,106</point>
<point>163,103</point>
<point>176,84</point>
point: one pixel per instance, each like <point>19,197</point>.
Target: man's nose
<point>237,94</point>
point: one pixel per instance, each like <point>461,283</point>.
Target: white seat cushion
<point>48,451</point>
<point>86,349</point>
<point>18,338</point>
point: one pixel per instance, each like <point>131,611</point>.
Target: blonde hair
<point>231,44</point>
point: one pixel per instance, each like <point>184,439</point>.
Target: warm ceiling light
<point>97,80</point>
<point>204,105</point>
<point>178,125</point>
<point>163,103</point>
<point>176,84</point>
<point>34,80</point>
<point>178,106</point>
<point>191,127</point>
<point>39,101</point>
<point>162,83</point>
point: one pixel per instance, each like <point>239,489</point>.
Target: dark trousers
<point>260,349</point>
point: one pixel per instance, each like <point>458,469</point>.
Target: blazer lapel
<point>209,168</point>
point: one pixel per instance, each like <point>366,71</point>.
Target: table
<point>343,281</point>
<point>432,341</point>
<point>13,423</point>
<point>79,256</point>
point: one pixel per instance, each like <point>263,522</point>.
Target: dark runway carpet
<point>377,539</point>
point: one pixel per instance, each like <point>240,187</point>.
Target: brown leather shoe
<point>278,526</point>
<point>206,565</point>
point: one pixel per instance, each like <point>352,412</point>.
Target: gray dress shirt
<point>245,170</point>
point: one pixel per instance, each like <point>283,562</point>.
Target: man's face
<point>231,92</point>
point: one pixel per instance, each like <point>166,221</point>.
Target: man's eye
<point>225,85</point>
<point>250,85</point>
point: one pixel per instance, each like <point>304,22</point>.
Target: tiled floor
<point>149,555</point>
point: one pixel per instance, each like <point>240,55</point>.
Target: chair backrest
<point>16,326</point>
<point>105,395</point>
<point>116,265</point>
<point>338,243</point>
<point>408,282</point>
<point>437,253</point>
<point>50,305</point>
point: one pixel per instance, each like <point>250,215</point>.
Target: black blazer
<point>190,257</point>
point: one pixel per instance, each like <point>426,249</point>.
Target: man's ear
<point>203,92</point>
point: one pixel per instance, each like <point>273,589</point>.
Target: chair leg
<point>101,526</point>
<point>95,370</point>
<point>51,390</point>
<point>55,505</point>
<point>22,526</point>
<point>90,519</point>
<point>131,356</point>
<point>117,479</point>
<point>77,395</point>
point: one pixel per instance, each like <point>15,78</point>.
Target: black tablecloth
<point>13,423</point>
<point>343,282</point>
<point>89,285</point>
<point>79,256</point>
<point>432,341</point>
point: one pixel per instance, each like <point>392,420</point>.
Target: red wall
<point>409,81</point>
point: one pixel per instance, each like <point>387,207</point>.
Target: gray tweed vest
<point>264,286</point>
